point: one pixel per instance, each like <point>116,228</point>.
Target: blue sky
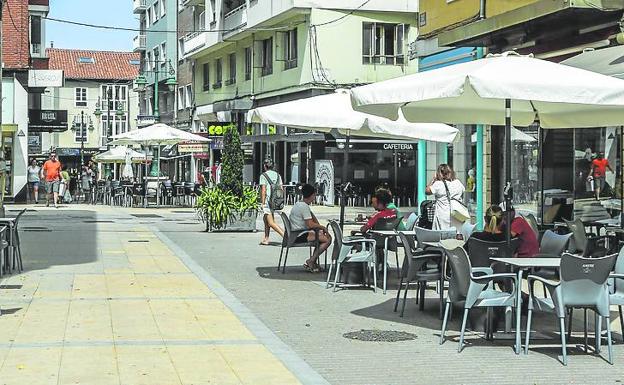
<point>107,12</point>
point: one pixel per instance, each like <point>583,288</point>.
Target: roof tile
<point>106,65</point>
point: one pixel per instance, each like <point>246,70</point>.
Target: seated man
<point>381,201</point>
<point>304,222</point>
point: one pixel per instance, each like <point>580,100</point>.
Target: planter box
<point>244,223</point>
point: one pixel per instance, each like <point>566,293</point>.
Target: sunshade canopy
<point>333,111</point>
<point>606,61</point>
<point>156,134</point>
<point>516,136</point>
<point>559,96</point>
<point>118,155</point>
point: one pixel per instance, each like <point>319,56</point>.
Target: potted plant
<point>229,206</point>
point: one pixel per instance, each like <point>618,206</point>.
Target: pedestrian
<point>65,195</point>
<point>52,173</point>
<point>445,188</point>
<point>305,222</point>
<point>34,178</point>
<point>599,168</point>
<point>86,181</point>
<point>270,187</point>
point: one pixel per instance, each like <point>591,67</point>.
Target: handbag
<point>459,211</point>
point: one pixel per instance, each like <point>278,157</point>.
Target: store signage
<point>34,144</point>
<point>219,129</point>
<point>398,146</point>
<point>217,144</point>
<point>47,120</point>
<point>46,78</point>
<point>193,147</point>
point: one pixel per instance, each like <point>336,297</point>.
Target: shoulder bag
<point>459,211</point>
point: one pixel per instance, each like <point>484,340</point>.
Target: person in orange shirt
<point>52,172</point>
<point>599,172</point>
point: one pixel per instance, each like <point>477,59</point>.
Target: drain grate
<point>146,215</point>
<point>35,229</point>
<point>380,336</point>
<point>183,211</point>
<point>98,222</point>
<point>138,241</point>
<point>10,287</point>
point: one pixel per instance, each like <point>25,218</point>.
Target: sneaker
<point>47,204</point>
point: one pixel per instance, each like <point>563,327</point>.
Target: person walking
<point>65,195</point>
<point>270,183</point>
<point>599,168</point>
<point>34,178</point>
<point>86,181</point>
<point>52,172</point>
<point>445,188</point>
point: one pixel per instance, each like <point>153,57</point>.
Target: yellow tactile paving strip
<point>134,316</point>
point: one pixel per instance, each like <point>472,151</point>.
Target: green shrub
<point>216,206</point>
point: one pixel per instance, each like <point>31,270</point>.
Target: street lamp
<point>81,125</point>
<point>141,82</point>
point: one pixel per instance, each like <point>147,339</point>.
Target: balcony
<point>235,19</point>
<point>196,41</point>
<point>139,6</point>
<point>145,120</point>
<point>139,43</point>
<point>188,3</point>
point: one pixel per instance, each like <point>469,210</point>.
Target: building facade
<point>257,53</point>
<point>157,45</point>
<point>99,98</point>
<point>23,61</point>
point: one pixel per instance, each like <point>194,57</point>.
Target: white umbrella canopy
<point>333,111</point>
<point>118,155</point>
<point>156,135</point>
<point>516,136</point>
<point>475,92</point>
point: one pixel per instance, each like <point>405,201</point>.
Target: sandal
<point>264,243</point>
<point>308,268</point>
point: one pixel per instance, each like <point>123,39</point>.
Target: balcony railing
<point>188,3</point>
<point>139,6</point>
<point>139,43</point>
<point>235,19</point>
<point>194,41</point>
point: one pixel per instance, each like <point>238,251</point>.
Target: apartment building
<point>256,53</point>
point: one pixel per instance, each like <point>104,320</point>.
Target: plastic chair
<point>552,245</point>
<point>580,238</point>
<point>290,241</point>
<point>532,221</point>
<point>583,285</point>
<point>480,252</point>
<point>5,261</point>
<point>467,229</point>
<point>344,251</point>
<point>420,267</point>
<point>13,241</point>
<point>474,291</point>
<point>411,221</point>
<point>616,288</point>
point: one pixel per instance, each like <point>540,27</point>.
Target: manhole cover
<point>380,336</point>
<point>146,216</point>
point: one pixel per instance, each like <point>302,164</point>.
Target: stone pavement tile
<point>133,320</point>
<point>44,322</point>
<point>176,320</point>
<point>123,285</point>
<point>89,286</point>
<point>89,321</point>
<point>218,321</point>
<point>141,365</point>
<point>54,286</point>
<point>32,366</point>
<point>144,264</point>
<point>162,285</point>
<point>89,365</point>
<point>255,365</point>
<point>202,365</point>
<point>170,264</point>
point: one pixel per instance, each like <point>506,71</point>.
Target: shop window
<point>290,49</point>
<point>248,63</point>
<point>267,56</point>
<point>80,97</point>
<point>383,43</point>
<point>232,65</point>
<point>206,76</point>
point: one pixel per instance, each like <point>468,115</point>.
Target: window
<point>156,11</point>
<point>213,8</point>
<point>206,76</point>
<point>267,56</point>
<point>117,125</point>
<point>86,60</point>
<point>290,49</point>
<point>189,96</point>
<point>163,7</point>
<point>181,101</point>
<point>156,57</point>
<point>148,62</point>
<point>116,95</point>
<point>248,63</point>
<point>80,97</point>
<point>232,63</point>
<point>383,43</point>
<point>35,34</point>
<point>163,54</point>
<point>148,17</point>
<point>181,49</point>
<point>218,74</point>
<point>80,135</point>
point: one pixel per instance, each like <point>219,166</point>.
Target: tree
<point>232,165</point>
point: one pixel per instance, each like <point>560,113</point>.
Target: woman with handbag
<point>448,191</point>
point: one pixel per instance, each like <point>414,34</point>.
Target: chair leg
<point>336,277</point>
<point>461,333</point>
<point>329,275</point>
<point>609,343</point>
<point>421,293</point>
<point>404,298</point>
<point>279,263</point>
<point>621,321</point>
<point>285,260</point>
<point>375,275</point>
<point>597,332</point>
<point>585,329</point>
<point>444,320</point>
<point>570,324</point>
<point>563,340</point>
<point>396,302</point>
<point>441,296</point>
<point>528,331</point>
<point>396,254</point>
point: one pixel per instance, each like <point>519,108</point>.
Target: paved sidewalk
<point>105,301</point>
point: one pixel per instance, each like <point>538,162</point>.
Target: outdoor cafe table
<point>522,264</point>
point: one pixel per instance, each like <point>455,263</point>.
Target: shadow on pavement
<point>293,273</point>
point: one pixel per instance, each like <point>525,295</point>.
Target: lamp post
<point>81,126</point>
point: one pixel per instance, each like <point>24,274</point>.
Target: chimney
<point>51,43</point>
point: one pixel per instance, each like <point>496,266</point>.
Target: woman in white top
<point>34,178</point>
<point>445,179</point>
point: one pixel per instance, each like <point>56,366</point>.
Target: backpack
<point>427,212</point>
<point>276,198</point>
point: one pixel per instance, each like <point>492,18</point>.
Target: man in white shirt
<point>269,177</point>
<point>304,222</point>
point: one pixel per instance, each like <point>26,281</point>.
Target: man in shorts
<point>267,178</point>
<point>52,172</point>
<point>599,172</point>
<point>306,224</point>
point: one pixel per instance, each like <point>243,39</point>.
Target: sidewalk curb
<point>298,367</point>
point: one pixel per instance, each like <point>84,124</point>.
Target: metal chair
<point>5,262</point>
<point>583,285</point>
<point>419,266</point>
<point>474,291</point>
<point>345,251</point>
<point>166,192</point>
<point>289,241</point>
<point>14,256</point>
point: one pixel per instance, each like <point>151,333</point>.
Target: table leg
<point>518,310</point>
<point>385,266</point>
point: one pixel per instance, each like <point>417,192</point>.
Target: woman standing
<point>445,187</point>
<point>34,178</point>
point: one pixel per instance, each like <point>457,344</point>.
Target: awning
<point>606,61</point>
<point>292,138</point>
